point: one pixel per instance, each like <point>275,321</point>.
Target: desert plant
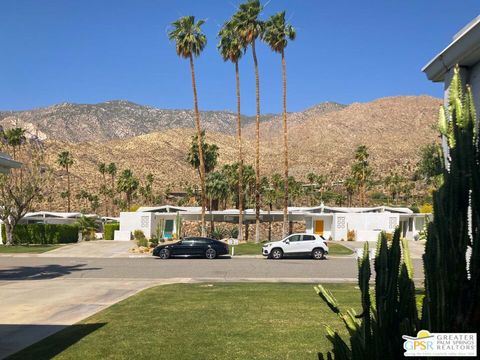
<point>452,276</point>
<point>377,332</point>
<point>233,233</point>
<point>219,233</point>
<point>153,241</point>
<point>351,235</point>
<point>87,226</point>
<point>139,237</point>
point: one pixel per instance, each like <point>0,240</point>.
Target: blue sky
<point>90,51</point>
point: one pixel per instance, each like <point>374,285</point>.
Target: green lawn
<point>256,249</point>
<point>204,321</point>
<point>24,249</point>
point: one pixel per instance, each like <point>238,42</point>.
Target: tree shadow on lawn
<point>61,339</point>
<point>41,272</point>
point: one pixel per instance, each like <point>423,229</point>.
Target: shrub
<point>351,235</point>
<point>40,234</point>
<point>233,233</point>
<point>138,234</point>
<point>140,238</point>
<point>109,230</point>
<point>219,233</point>
<point>153,241</point>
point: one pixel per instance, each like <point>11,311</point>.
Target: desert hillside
<point>323,142</point>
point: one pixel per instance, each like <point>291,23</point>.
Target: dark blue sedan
<point>192,246</point>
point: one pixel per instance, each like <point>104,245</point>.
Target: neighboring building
<point>331,222</point>
<point>464,50</point>
<point>7,163</point>
<point>50,217</point>
<point>366,223</point>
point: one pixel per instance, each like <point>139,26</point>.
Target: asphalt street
<point>222,269</point>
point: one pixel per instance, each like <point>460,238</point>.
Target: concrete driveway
<point>93,249</point>
<point>34,309</point>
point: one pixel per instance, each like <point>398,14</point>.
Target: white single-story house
<point>331,222</point>
<point>7,163</point>
<point>366,223</point>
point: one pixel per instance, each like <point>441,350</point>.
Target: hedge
<point>109,230</point>
<point>43,234</point>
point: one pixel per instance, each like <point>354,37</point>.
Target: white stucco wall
<point>131,221</point>
<point>367,226</point>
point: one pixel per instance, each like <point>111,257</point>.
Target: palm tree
<point>209,151</point>
<point>190,41</point>
<point>249,28</point>
<point>65,160</point>
<point>276,35</point>
<point>217,191</point>
<point>362,172</point>
<point>15,138</point>
<point>232,48</point>
<point>127,184</point>
<point>350,186</point>
<point>112,171</point>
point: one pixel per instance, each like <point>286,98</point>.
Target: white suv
<point>297,244</point>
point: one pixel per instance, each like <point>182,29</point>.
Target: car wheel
<point>164,254</point>
<point>276,254</point>
<point>318,253</point>
<point>210,254</point>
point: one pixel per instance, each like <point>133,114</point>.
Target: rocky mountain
<point>120,119</point>
<point>323,142</point>
<point>113,120</point>
<point>273,127</point>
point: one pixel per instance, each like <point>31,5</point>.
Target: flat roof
<point>464,50</point>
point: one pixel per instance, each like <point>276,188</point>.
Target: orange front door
<point>319,227</point>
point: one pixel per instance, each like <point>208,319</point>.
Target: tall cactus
<point>451,260</point>
<point>377,332</point>
<point>449,304</point>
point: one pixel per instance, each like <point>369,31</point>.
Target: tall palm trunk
<point>105,197</point>
<point>285,146</point>
<point>199,144</point>
<point>240,155</point>
<point>257,147</point>
<point>68,189</point>
<point>113,194</point>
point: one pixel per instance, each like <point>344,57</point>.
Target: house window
<point>341,222</point>
<point>144,222</point>
<point>410,224</point>
<point>392,222</point>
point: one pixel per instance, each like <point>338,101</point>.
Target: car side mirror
<point>287,241</point>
